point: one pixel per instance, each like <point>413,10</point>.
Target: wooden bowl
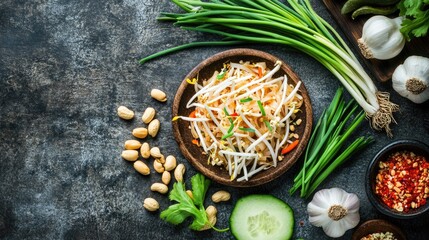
<point>377,226</point>
<point>193,153</point>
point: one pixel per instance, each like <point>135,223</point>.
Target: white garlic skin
<point>319,207</point>
<point>414,67</point>
<point>381,38</point>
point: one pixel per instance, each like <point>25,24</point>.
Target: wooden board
<point>381,69</point>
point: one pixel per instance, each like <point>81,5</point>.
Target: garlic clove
<point>351,221</point>
<point>417,66</point>
<point>315,209</point>
<point>334,229</point>
<point>352,203</point>
<point>319,220</point>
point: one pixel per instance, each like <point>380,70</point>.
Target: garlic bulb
<point>411,79</point>
<point>335,210</point>
<point>381,38</point>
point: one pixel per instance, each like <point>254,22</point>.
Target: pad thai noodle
<point>244,118</point>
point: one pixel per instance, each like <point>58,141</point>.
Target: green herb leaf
<point>185,206</point>
<point>221,74</point>
<point>416,18</point>
<point>226,111</point>
<point>199,188</point>
<point>247,129</point>
<point>268,125</point>
<point>227,135</point>
<point>245,100</point>
<point>261,108</point>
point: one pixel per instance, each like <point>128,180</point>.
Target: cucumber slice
<point>260,216</point>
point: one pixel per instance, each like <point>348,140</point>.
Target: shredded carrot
<point>234,114</point>
<point>195,141</point>
<point>290,147</point>
<point>193,114</point>
<point>260,72</point>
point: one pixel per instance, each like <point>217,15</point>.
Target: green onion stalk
<point>294,24</point>
<point>326,148</point>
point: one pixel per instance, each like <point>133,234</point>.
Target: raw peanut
<point>158,167</point>
<point>151,204</point>
<point>158,95</point>
<point>132,145</point>
<point>221,196</point>
<point>155,152</point>
<point>153,127</point>
<point>125,113</point>
<point>159,187</point>
<point>190,194</point>
<point>130,155</point>
<point>141,167</point>
<point>211,212</point>
<point>140,132</point>
<point>170,163</point>
<point>179,172</point>
<point>148,115</point>
<point>166,177</point>
<point>161,159</point>
<point>145,150</point>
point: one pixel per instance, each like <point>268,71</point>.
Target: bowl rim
<point>364,229</point>
<point>397,145</point>
<point>246,52</point>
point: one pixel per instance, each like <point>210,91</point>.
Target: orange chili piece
<point>259,72</point>
<point>195,141</point>
<point>290,147</point>
<point>193,114</point>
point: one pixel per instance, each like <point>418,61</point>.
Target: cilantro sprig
<point>416,18</point>
<point>189,207</point>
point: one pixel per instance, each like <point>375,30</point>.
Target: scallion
<point>245,100</point>
<point>268,125</point>
<point>324,152</point>
<point>227,135</point>
<point>247,129</point>
<point>294,24</point>
<point>261,108</point>
<point>221,75</point>
<point>226,112</point>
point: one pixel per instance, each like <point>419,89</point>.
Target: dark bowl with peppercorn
<point>397,179</point>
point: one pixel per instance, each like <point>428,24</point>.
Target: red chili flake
<point>402,182</point>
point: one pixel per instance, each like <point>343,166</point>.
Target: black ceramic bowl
<point>414,146</point>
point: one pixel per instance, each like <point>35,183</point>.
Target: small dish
<point>193,153</point>
<point>377,226</point>
<point>414,146</point>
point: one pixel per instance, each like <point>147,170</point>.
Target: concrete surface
<point>66,66</point>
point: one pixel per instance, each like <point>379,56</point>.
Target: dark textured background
<point>65,66</point>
